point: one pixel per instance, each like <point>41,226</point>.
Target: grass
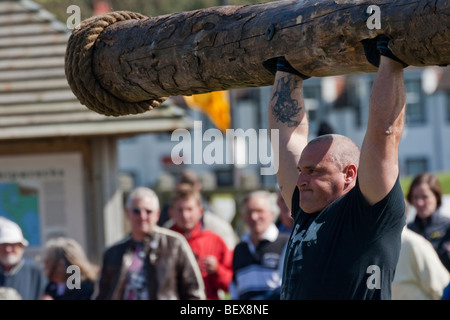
<point>444,179</point>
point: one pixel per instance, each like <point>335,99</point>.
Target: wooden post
<point>140,61</point>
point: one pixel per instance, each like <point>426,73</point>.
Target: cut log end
<point>79,73</point>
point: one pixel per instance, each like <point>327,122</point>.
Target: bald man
<point>347,203</point>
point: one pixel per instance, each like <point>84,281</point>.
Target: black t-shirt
<point>349,250</point>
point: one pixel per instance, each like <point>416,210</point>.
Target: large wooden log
<point>129,63</point>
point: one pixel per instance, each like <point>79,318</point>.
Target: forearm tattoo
<point>286,109</point>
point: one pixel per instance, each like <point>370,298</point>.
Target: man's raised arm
<point>287,114</point>
<point>378,169</point>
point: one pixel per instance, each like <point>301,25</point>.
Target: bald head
<point>340,149</point>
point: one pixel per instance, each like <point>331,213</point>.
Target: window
<point>415,166</point>
<point>164,136</point>
<point>312,96</point>
<point>415,110</point>
<point>312,114</point>
<point>225,177</point>
<point>206,123</point>
<point>312,92</point>
<point>447,108</point>
<point>129,141</point>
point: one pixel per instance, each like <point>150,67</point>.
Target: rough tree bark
<point>140,61</point>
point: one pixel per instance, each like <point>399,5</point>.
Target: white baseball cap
<point>10,232</point>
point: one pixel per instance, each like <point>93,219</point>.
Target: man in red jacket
<point>213,255</point>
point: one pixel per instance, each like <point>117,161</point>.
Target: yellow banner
<point>216,105</point>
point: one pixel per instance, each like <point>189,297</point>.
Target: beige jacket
<point>420,274</point>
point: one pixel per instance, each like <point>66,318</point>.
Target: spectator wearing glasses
<point>151,263</point>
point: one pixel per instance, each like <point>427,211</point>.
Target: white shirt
<point>420,274</point>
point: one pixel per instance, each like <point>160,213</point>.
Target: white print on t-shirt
<point>308,237</point>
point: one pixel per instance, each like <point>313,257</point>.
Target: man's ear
<point>158,214</point>
<point>350,173</point>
